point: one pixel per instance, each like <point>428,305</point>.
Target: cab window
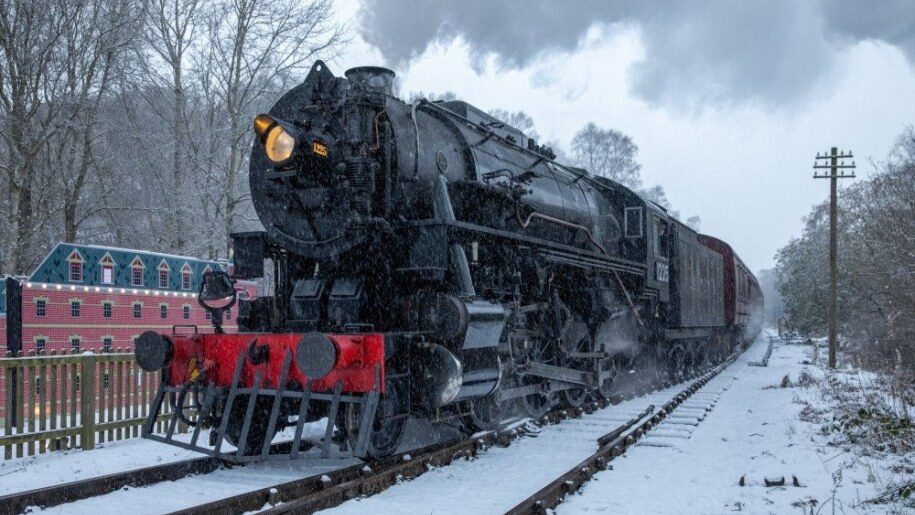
<point>661,238</point>
<point>633,222</point>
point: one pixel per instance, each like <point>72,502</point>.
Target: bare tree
<point>607,153</point>
<point>94,45</point>
<point>517,119</point>
<point>31,71</point>
<point>446,96</point>
<point>120,120</point>
<point>255,47</point>
<point>171,31</point>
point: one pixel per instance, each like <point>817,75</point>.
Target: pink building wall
<point>58,325</point>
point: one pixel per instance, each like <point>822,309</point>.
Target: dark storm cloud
<point>890,21</point>
<point>696,51</point>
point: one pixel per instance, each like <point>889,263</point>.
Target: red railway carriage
<point>742,295</point>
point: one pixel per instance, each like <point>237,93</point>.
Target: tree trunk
<point>178,213</point>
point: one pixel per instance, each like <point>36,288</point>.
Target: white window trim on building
<point>163,267</point>
<point>107,264</point>
<point>186,273</point>
<point>137,264</point>
<point>36,300</point>
<point>75,258</point>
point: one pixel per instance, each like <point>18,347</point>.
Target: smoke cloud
<point>696,52</point>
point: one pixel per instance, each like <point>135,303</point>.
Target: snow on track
<point>54,468</point>
<point>500,478</point>
<point>684,420</point>
<point>754,431</point>
<point>193,490</point>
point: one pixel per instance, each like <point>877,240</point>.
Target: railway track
<point>56,495</point>
<point>330,489</point>
<point>319,493</point>
<point>610,446</point>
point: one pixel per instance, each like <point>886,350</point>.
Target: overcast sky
<point>728,101</point>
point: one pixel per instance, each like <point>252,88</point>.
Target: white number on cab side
<point>662,272</point>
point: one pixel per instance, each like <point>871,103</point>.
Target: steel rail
<point>332,488</point>
<point>315,493</point>
<point>610,446</point>
<point>55,495</point>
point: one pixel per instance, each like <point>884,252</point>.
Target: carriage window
<point>633,222</point>
<point>661,246</point>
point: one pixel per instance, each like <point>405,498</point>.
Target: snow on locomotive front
<point>427,260</point>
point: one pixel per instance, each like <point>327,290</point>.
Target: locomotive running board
<point>329,451</point>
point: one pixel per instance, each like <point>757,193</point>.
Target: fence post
<point>87,396</point>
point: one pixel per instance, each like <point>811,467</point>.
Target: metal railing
<point>61,401</point>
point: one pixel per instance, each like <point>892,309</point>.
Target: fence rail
<point>60,401</point>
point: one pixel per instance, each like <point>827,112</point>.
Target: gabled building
<point>93,297</point>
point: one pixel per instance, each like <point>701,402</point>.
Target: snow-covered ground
<point>53,468</point>
<point>742,424</point>
<point>755,431</point>
<point>500,478</point>
<point>561,446</point>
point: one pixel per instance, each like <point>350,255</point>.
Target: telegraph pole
<point>833,170</point>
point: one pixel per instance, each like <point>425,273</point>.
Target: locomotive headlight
<point>279,144</point>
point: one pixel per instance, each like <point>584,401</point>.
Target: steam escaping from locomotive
<point>431,261</point>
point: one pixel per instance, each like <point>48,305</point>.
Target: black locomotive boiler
<point>429,260</point>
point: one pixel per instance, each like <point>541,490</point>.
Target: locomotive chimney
<point>375,79</point>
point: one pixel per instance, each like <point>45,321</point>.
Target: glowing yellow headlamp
<point>278,143</point>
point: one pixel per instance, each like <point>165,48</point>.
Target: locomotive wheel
<point>575,396</point>
<point>689,364</point>
<point>698,361</point>
<point>608,387</point>
<point>676,362</point>
<point>576,339</point>
<point>387,427</point>
<point>535,405</point>
<point>486,414</point>
<point>257,432</point>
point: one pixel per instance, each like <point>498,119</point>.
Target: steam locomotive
<point>431,261</point>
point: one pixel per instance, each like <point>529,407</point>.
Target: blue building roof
<point>55,268</point>
<point>2,296</point>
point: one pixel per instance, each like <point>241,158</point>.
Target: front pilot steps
<point>225,401</point>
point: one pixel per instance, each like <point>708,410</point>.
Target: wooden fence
<point>66,401</point>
